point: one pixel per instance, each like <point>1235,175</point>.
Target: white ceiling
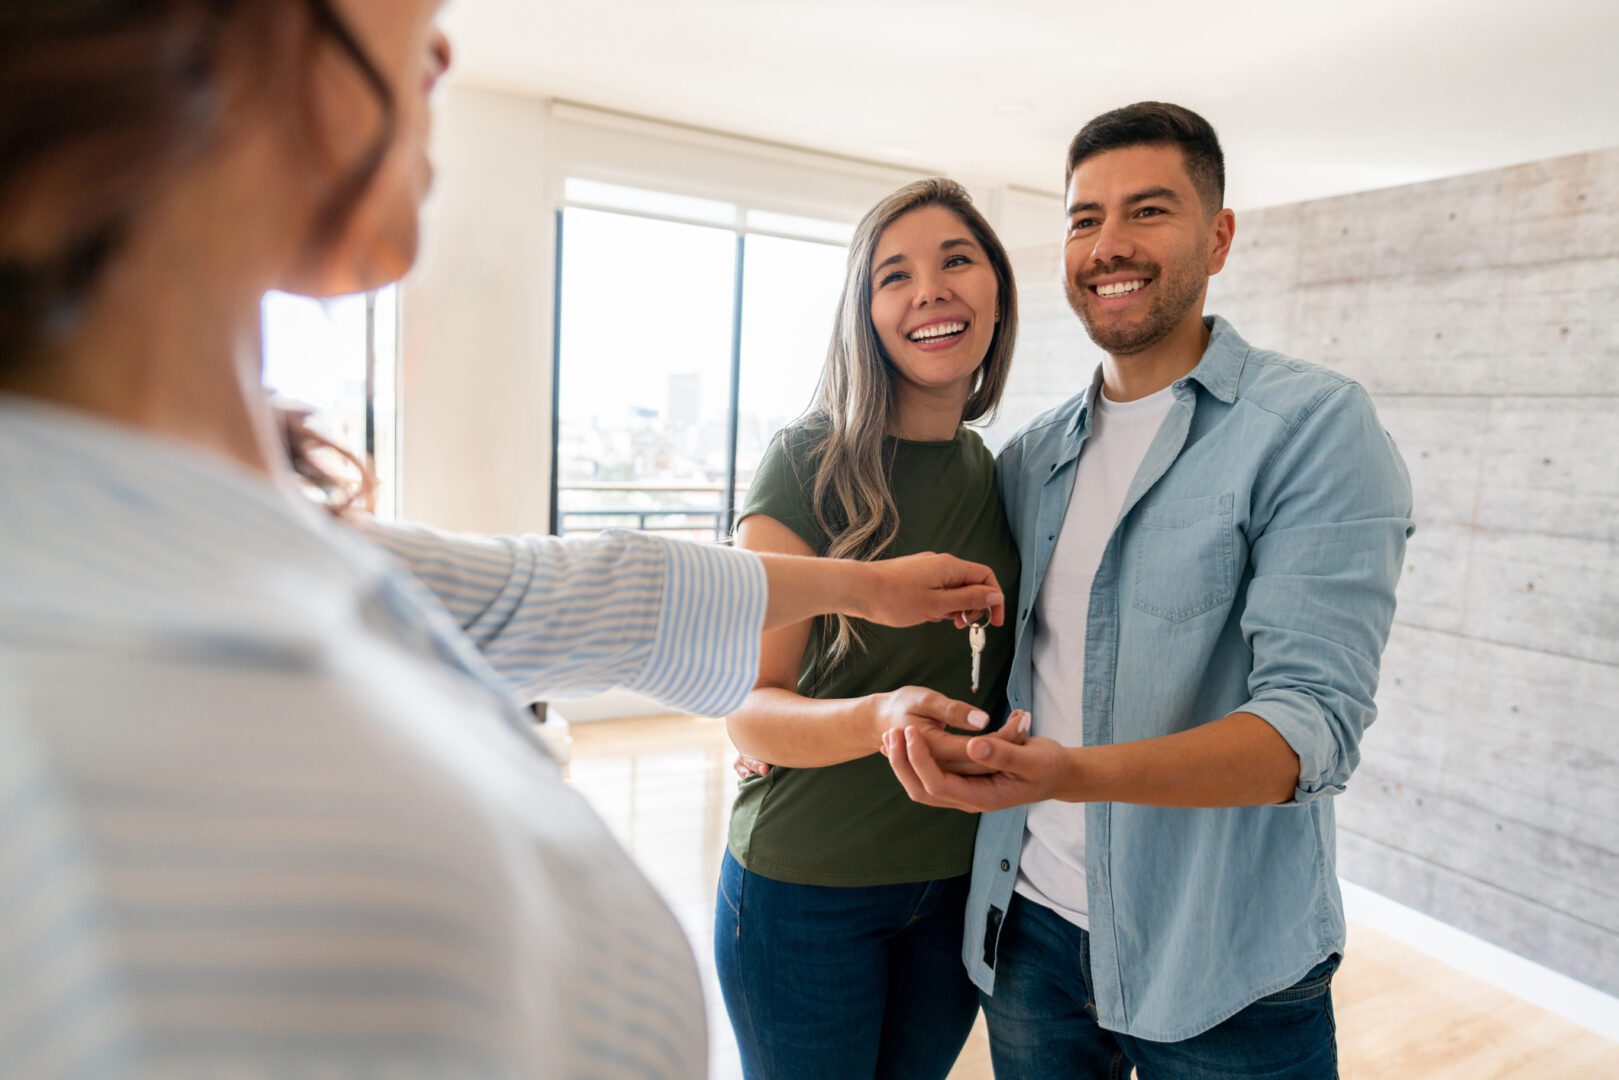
<point>1310,99</point>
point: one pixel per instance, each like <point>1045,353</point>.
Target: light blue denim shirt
<point>1251,569</point>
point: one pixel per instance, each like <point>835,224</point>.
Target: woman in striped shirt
<point>266,809</point>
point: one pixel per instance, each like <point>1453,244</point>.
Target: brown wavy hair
<point>100,101</point>
<point>856,404</point>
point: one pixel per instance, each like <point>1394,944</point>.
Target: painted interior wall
<point>475,370</point>
<point>1482,313</point>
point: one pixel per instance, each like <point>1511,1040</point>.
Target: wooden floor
<point>664,785</point>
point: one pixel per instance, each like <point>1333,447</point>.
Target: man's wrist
<point>1070,784</point>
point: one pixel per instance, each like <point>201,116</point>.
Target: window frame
<point>372,449</point>
<point>725,519</point>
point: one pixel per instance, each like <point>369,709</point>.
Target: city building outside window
<point>689,331</point>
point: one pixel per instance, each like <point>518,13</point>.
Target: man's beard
<point>1175,296</point>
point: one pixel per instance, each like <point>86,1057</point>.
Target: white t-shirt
<point>1052,872</point>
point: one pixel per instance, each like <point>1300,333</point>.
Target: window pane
<point>315,356</point>
<point>385,402</point>
<point>645,201</point>
<point>645,383</point>
<point>789,296</point>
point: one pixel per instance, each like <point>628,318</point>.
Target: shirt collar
<point>1219,371</point>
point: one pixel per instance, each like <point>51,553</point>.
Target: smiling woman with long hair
<point>839,917</point>
<point>266,809</point>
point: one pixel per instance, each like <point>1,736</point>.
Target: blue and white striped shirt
<point>561,618</point>
<point>266,810</point>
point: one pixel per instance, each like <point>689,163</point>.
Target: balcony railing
<point>595,506</point>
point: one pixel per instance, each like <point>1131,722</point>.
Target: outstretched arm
<point>679,622</point>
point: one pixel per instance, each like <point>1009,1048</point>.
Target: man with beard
<point>1211,536</point>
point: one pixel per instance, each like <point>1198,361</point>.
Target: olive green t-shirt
<point>852,823</point>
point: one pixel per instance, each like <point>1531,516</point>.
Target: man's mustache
<point>1146,270</point>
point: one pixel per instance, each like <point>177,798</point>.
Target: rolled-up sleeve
<point>677,621</point>
<point>1332,513</point>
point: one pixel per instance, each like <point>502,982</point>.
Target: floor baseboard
<point>1556,993</point>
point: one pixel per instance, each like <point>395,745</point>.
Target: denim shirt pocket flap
<point>1185,557</point>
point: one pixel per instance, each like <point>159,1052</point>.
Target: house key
<point>976,637</point>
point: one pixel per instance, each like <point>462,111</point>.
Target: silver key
<point>976,637</point>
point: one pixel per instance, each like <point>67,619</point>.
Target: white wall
<point>475,376</point>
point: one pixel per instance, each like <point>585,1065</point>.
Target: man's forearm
<point>1238,760</point>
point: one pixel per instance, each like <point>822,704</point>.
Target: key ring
<point>974,624</point>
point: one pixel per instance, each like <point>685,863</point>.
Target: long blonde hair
<point>855,404</point>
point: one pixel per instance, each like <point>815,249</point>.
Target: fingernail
<point>1024,724</point>
<point>978,749</point>
<point>996,598</point>
<point>977,718</point>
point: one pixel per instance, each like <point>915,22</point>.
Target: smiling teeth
<point>1120,288</point>
<point>944,329</point>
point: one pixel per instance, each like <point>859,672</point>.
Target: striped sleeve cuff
<point>705,658</point>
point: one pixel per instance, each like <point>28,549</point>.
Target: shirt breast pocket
<point>1185,560</point>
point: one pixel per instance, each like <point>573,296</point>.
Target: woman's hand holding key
<point>894,592</point>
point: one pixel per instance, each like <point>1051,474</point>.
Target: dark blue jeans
<point>824,981</point>
<point>1042,1021</point>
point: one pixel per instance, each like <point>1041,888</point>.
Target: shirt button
<point>1006,864</point>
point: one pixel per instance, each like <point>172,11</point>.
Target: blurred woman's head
<point>270,143</point>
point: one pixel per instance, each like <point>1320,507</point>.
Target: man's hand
<point>1031,772</point>
<point>932,714</point>
<point>949,750</point>
<point>745,766</point>
<point>927,588</point>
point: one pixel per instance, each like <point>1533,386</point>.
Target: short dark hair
<point>1157,123</point>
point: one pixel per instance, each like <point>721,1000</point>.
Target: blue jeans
<point>1042,1023</point>
<point>826,981</point>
